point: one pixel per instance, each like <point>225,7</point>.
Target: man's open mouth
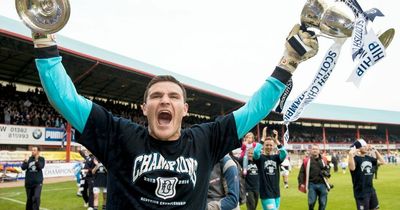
<point>164,118</point>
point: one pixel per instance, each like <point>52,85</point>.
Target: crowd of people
<point>32,108</point>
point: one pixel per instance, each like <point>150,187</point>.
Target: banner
<point>16,134</point>
<point>48,156</point>
<point>57,134</point>
<point>49,170</point>
<point>334,146</point>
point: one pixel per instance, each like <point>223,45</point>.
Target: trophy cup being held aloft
<point>330,21</point>
<point>43,16</point>
<point>335,24</point>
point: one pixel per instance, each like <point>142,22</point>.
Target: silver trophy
<point>43,16</point>
<point>329,21</point>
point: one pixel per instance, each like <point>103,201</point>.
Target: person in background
<point>99,183</point>
<point>223,190</point>
<point>33,178</point>
<point>285,171</point>
<point>78,176</point>
<point>86,186</point>
<point>311,178</point>
<point>362,167</point>
<point>247,143</point>
<point>252,183</point>
<point>269,165</point>
<point>335,161</point>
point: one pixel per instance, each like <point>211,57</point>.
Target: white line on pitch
<point>19,202</point>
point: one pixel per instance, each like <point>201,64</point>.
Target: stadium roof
<point>101,73</point>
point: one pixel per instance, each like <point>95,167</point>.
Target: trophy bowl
<point>330,21</point>
<point>334,23</point>
<point>43,16</point>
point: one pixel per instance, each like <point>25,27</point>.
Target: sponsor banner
<point>48,156</point>
<point>59,169</point>
<point>57,134</point>
<point>306,146</point>
<point>16,134</point>
<point>49,170</point>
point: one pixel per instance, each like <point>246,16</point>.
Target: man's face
<point>250,153</point>
<point>268,146</point>
<point>35,151</point>
<point>363,149</point>
<point>315,151</point>
<point>164,109</point>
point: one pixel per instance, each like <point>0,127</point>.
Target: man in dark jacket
<point>33,178</point>
<point>312,178</point>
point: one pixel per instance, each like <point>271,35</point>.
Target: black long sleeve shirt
<point>34,174</point>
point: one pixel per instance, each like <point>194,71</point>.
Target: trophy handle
<point>43,16</point>
<point>387,37</point>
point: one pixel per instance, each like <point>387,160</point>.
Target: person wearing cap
<point>362,169</point>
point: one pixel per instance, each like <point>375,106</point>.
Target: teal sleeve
<point>61,92</point>
<point>257,151</point>
<point>259,106</point>
<point>282,153</point>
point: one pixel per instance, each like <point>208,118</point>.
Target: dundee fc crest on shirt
<point>166,187</point>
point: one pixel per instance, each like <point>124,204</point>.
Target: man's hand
<point>214,205</point>
<point>26,158</point>
<point>275,137</point>
<point>43,40</point>
<point>291,57</point>
<point>371,148</point>
<point>353,152</point>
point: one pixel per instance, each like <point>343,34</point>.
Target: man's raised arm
<point>58,86</point>
<point>265,98</point>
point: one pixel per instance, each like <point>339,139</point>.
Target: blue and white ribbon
<point>294,111</point>
<point>360,25</point>
<point>373,52</point>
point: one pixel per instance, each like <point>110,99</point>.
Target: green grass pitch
<point>63,195</point>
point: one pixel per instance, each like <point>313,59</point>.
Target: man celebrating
<point>268,166</point>
<point>160,166</point>
<point>362,168</point>
<point>33,178</point>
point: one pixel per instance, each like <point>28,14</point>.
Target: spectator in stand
<point>33,178</point>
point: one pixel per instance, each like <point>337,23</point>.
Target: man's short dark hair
<point>164,78</point>
<point>38,148</point>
